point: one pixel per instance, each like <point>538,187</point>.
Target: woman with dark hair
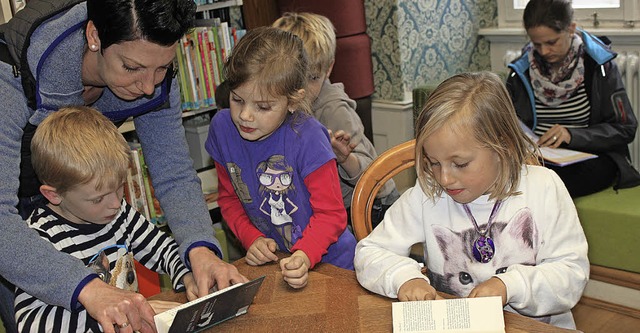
<point>116,56</point>
<point>568,90</point>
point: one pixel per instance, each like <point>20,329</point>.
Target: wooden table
<point>333,301</point>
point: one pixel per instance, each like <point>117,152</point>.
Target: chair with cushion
<point>388,164</point>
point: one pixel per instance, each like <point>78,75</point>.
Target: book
<point>209,310</point>
<point>557,156</point>
<point>135,182</point>
<point>456,315</point>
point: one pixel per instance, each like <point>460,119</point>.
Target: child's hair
<point>275,59</point>
<point>76,145</point>
<point>475,104</point>
<point>554,14</point>
<point>318,35</point>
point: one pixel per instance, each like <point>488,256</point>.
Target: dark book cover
<point>215,308</point>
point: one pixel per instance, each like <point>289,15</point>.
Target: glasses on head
<point>267,179</point>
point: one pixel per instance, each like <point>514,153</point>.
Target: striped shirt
<point>572,113</point>
<point>129,233</point>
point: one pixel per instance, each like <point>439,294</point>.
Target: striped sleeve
<point>156,250</point>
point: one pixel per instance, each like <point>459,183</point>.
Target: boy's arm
<point>233,211</point>
<point>329,219</point>
<point>339,116</point>
<point>156,250</point>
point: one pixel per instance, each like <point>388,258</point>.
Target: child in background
<point>83,172</point>
<point>335,110</point>
<point>492,221</point>
<point>278,181</point>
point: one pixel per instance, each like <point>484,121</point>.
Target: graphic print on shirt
<point>515,242</point>
<point>123,275</point>
<point>276,176</point>
<point>241,189</point>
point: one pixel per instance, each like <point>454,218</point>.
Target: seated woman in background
<point>568,90</point>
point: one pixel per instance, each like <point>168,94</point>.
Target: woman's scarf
<point>554,87</point>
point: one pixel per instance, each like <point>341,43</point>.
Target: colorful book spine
<point>156,215</point>
<point>139,197</point>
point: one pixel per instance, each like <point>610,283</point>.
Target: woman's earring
<point>93,47</point>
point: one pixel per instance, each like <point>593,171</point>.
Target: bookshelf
<point>128,125</point>
<point>219,5</point>
<point>207,175</point>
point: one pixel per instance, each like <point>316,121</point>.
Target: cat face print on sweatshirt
<point>515,243</point>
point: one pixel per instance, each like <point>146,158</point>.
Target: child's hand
<point>261,252</point>
<point>341,144</point>
<point>417,290</point>
<point>162,306</point>
<point>491,287</point>
<point>190,286</point>
<point>295,269</point>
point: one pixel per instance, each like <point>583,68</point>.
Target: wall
<point>420,41</point>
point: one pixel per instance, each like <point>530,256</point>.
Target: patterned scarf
<point>554,87</point>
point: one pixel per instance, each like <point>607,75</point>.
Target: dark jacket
<point>612,123</point>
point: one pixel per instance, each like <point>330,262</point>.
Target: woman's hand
<point>417,290</point>
<point>114,307</point>
<point>209,271</point>
<point>295,269</point>
<point>555,136</point>
<point>491,287</point>
<point>261,252</point>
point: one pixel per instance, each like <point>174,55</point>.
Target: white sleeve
<point>382,260</point>
<point>556,282</point>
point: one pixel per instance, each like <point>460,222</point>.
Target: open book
<point>557,156</point>
<point>457,315</point>
<point>209,310</point>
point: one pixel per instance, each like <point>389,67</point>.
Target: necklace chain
<point>494,211</point>
<point>483,247</point>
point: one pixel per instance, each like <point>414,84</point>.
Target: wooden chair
<point>383,168</point>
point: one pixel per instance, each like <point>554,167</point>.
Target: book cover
<point>209,310</point>
<point>456,315</point>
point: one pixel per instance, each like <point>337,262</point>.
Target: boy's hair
<point>476,104</point>
<point>76,145</point>
<point>162,22</point>
<point>275,59</point>
<point>553,14</point>
<point>318,35</point>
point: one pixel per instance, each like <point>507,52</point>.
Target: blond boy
<point>82,161</point>
<point>334,109</point>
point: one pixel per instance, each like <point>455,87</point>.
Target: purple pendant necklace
<point>483,247</point>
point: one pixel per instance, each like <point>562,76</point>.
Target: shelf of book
<point>217,5</point>
<point>128,125</point>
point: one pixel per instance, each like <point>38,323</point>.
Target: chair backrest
<point>383,168</point>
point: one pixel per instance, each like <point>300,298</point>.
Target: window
<point>587,13</point>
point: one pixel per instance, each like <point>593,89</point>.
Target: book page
<point>557,156</point>
<point>483,314</point>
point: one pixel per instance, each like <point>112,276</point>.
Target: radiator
<point>628,64</point>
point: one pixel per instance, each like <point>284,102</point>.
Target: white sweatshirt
<point>540,247</point>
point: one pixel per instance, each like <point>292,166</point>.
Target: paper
<point>209,310</point>
<point>557,156</point>
<point>469,315</point>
